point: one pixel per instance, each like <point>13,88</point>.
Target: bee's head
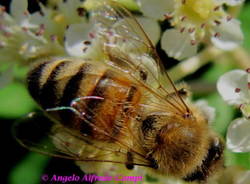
<point>180,145</point>
<point>212,162</point>
<point>183,147</point>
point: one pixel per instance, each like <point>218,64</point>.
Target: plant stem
<point>192,64</point>
<point>241,56</point>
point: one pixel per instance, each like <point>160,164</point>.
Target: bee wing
<point>38,133</point>
<point>129,49</point>
<point>33,132</point>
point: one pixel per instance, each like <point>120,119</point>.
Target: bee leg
<point>154,163</point>
<point>129,163</point>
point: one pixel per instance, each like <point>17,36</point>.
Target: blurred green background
<point>19,166</point>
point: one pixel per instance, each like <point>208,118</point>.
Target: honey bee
<point>123,108</point>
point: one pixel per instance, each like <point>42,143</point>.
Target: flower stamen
<point>53,38</point>
<point>237,90</point>
<point>216,8</point>
<point>229,17</point>
<point>81,11</point>
<point>182,29</point>
<point>193,42</point>
<point>203,25</point>
<point>41,30</point>
<point>91,35</point>
<point>183,18</point>
<point>217,22</point>
<point>26,13</point>
<point>25,29</point>
<point>87,42</point>
<point>168,16</point>
<point>216,35</point>
<point>191,30</point>
<point>84,49</point>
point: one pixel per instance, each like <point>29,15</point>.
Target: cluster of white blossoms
<point>26,37</point>
<point>61,31</point>
<point>234,87</point>
<point>193,22</point>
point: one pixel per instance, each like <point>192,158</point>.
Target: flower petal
<point>243,178</point>
<point>233,88</point>
<point>126,37</point>
<point>75,41</point>
<point>52,24</point>
<point>178,45</point>
<point>230,34</point>
<point>151,27</point>
<point>69,10</point>
<point>207,110</point>
<point>157,8</point>
<point>19,10</point>
<point>230,2</point>
<point>238,137</point>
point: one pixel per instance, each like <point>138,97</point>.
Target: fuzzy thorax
<point>180,145</point>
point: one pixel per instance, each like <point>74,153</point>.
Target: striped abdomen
<point>57,83</point>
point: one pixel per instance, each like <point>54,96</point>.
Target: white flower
<point>238,137</point>
<point>81,40</point>
<point>234,87</point>
<point>21,39</point>
<point>244,178</point>
<point>208,111</point>
<point>232,174</point>
<point>86,39</point>
<point>56,21</point>
<point>26,37</point>
<point>20,14</point>
<point>61,31</point>
<point>151,27</point>
<point>194,21</point>
<point>177,44</point>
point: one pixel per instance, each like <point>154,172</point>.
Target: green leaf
<point>219,68</point>
<point>29,170</point>
<point>245,20</point>
<point>224,113</point>
<point>129,4</point>
<point>241,159</point>
<point>20,72</point>
<point>15,101</point>
<point>151,179</point>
